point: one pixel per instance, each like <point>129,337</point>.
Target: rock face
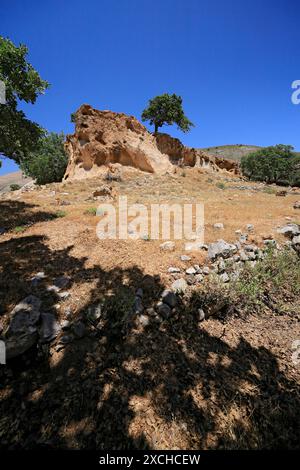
<point>189,156</point>
<point>103,138</point>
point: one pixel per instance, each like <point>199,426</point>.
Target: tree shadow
<point>161,384</point>
<point>17,213</point>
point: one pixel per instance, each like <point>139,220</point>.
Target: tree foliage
<point>48,161</point>
<point>276,164</point>
<point>18,135</point>
<point>166,109</point>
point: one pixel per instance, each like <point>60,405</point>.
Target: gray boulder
<point>22,332</point>
<point>180,285</point>
<point>49,328</point>
<point>221,248</point>
<point>290,230</point>
<point>169,298</point>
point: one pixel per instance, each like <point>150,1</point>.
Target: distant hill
<point>234,152</point>
<point>12,178</point>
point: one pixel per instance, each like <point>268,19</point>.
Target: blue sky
<point>232,61</point>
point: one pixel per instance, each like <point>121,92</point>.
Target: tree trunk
<point>155,127</point>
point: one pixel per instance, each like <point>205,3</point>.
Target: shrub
<point>60,214</point>
<point>15,187</point>
<point>278,164</point>
<point>91,211</point>
<point>221,185</point>
<point>48,162</point>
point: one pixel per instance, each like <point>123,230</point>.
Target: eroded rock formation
<point>103,138</point>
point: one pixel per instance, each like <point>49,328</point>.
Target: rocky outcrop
<point>103,138</point>
<point>189,156</point>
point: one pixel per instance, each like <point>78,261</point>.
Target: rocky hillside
<point>12,178</point>
<point>234,152</point>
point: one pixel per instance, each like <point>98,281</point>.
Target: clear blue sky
<point>232,61</point>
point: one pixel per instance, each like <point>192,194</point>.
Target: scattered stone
<point>65,324</point>
<point>66,339</point>
<point>201,314</point>
<point>180,285</point>
<point>296,240</point>
<point>79,329</point>
<point>243,256</point>
<point>269,242</point>
<point>22,332</point>
<point>199,277</point>
<point>195,246</point>
<point>219,226</point>
<point>169,298</point>
<point>243,238</point>
<point>296,205</point>
<point>249,248</point>
<point>172,270</point>
<point>205,270</point>
<point>251,255</point>
<point>138,307</point>
<point>224,277</point>
<point>191,270</point>
<point>185,258</point>
<point>250,227</point>
<point>54,289</point>
<point>143,320</point>
<point>221,248</point>
<point>167,246</point>
<point>236,258</point>
<point>49,328</point>
<point>163,309</point>
<point>238,232</point>
<point>198,269</point>
<point>221,266</point>
<point>290,230</point>
<point>63,295</point>
<point>62,282</point>
<point>139,292</point>
<point>38,278</point>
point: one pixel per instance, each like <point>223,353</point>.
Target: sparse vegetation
<point>15,187</point>
<point>91,211</point>
<point>59,214</point>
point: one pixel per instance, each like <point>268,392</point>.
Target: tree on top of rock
<point>166,109</point>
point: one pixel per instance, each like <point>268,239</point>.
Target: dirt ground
<point>180,384</point>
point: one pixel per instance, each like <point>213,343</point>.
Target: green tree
<point>48,161</point>
<point>275,164</point>
<point>166,109</point>
<point>18,135</point>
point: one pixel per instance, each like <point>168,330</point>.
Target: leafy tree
<point>166,109</point>
<point>276,164</point>
<point>48,161</point>
<point>18,135</point>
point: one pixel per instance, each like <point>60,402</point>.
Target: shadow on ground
<point>164,385</point>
